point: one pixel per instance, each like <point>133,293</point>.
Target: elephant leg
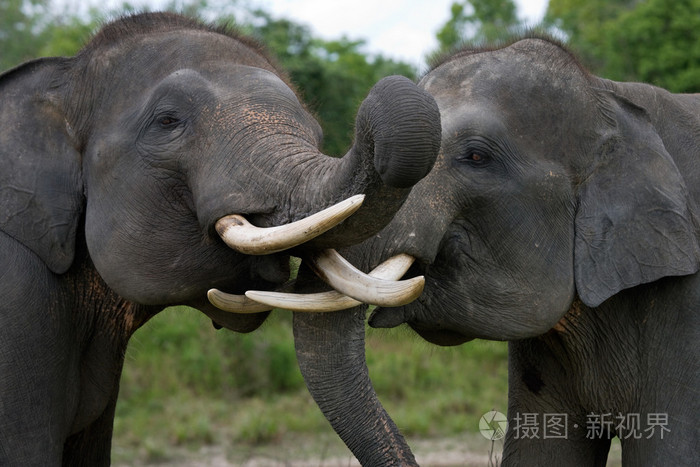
<point>103,363</point>
<point>664,430</point>
<point>36,363</point>
<point>32,407</point>
<point>546,426</point>
<point>532,445</point>
<point>92,446</point>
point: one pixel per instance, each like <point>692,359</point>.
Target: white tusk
<point>314,302</point>
<point>246,238</point>
<point>346,279</point>
<point>390,270</point>
<point>235,303</point>
<point>394,268</point>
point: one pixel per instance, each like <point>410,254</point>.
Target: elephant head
<point>552,185</point>
<point>161,127</point>
<point>139,159</point>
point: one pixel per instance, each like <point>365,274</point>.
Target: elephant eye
<point>167,121</point>
<point>475,158</point>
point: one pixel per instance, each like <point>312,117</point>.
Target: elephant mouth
<point>442,337</point>
<point>351,286</point>
<point>414,315</point>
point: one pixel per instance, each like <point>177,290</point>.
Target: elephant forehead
<point>259,100</point>
<point>180,48</point>
<point>249,79</point>
<point>158,55</point>
<point>484,103</point>
<point>451,79</point>
<point>530,69</point>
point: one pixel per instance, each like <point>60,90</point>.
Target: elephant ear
<point>636,222</point>
<point>41,193</point>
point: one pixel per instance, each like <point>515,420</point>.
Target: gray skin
<point>562,216</point>
<point>115,165</point>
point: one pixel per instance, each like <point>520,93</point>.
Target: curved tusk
<point>394,268</point>
<point>390,270</point>
<point>235,303</point>
<point>337,272</point>
<point>314,302</point>
<point>246,238</point>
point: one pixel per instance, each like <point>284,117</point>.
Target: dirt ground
<point>471,450</point>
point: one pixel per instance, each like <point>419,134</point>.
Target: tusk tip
<point>357,199</point>
<point>417,279</point>
<point>235,303</point>
<point>211,293</point>
<point>251,294</point>
<point>226,222</point>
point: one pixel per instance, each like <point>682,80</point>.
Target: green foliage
<point>582,20</point>
<point>32,28</point>
<point>67,36</point>
<point>20,25</point>
<point>187,385</point>
<point>653,41</point>
<point>333,76</point>
<point>434,391</point>
<point>225,364</point>
<point>478,21</point>
<point>661,44</point>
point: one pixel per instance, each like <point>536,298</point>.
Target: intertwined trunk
<point>331,353</point>
<point>330,350</point>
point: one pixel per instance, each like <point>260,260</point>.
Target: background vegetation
<point>186,385</point>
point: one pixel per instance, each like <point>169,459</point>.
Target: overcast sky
<point>400,29</point>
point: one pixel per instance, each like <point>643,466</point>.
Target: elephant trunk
<point>397,139</point>
<point>399,123</point>
<point>287,178</point>
<point>331,353</point>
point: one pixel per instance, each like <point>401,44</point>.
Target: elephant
<point>561,216</point>
<point>142,172</point>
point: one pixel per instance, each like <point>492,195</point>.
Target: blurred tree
<point>583,20</point>
<point>478,21</point>
<point>66,34</point>
<point>654,41</point>
<point>20,23</point>
<point>333,76</point>
<point>35,28</point>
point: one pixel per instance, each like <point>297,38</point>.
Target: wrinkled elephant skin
<point>562,215</point>
<point>115,166</point>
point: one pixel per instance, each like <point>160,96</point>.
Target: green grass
<point>186,385</point>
